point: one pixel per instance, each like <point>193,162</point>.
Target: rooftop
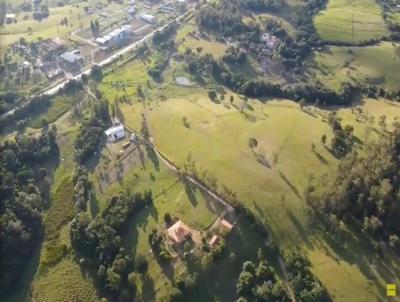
<point>179,231</point>
<point>70,57</point>
<point>226,224</point>
<point>115,129</point>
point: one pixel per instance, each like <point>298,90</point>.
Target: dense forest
<point>24,187</point>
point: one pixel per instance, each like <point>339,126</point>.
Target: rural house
<point>179,232</point>
<point>115,133</point>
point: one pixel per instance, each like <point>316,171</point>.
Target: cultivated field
<point>350,21</point>
<point>375,65</point>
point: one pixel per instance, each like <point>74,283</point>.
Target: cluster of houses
<point>49,56</point>
<point>179,232</point>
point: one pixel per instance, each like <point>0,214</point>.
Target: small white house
<point>148,18</point>
<point>10,18</point>
<point>115,133</point>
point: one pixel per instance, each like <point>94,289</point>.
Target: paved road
<point>52,90</point>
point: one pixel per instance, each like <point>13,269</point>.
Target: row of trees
<point>99,245</point>
<point>91,132</point>
<point>305,285</point>
<point>365,188</point>
<point>242,84</point>
<point>22,187</point>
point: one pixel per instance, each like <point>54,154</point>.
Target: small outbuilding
<point>213,241</point>
<point>10,18</point>
<point>179,232</point>
<point>226,224</point>
<point>148,18</point>
<point>115,133</point>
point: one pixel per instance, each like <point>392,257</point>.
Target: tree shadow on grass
<point>94,160</point>
<point>148,288</point>
<point>299,226</point>
<point>355,248</point>
<point>151,154</point>
<point>321,158</point>
<point>290,184</point>
<point>190,190</point>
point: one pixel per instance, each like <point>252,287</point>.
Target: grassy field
<point>218,136</point>
<point>170,195</point>
<point>376,65</point>
<point>350,21</point>
<point>47,28</point>
<point>217,49</point>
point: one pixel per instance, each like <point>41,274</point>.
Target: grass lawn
<point>350,21</point>
<point>170,195</point>
<point>217,138</point>
<point>64,282</point>
<point>377,65</point>
<point>47,28</point>
<point>124,80</point>
<point>215,48</point>
<point>50,111</point>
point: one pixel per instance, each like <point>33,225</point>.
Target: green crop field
<point>375,65</point>
<point>350,21</point>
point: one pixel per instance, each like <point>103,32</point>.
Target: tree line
<point>98,244</point>
<point>91,132</point>
<point>365,188</point>
<point>24,186</point>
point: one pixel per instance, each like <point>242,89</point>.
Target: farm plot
<point>350,21</point>
<point>372,65</point>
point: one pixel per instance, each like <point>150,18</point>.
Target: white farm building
<point>115,133</point>
<point>148,18</point>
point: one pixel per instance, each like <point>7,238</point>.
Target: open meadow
<point>350,21</point>
<point>371,65</point>
<point>270,178</point>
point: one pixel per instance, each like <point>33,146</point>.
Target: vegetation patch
<point>350,21</point>
<point>371,65</point>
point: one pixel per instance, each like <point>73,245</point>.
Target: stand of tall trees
<point>98,243</point>
<point>260,283</point>
<point>91,132</point>
<point>23,186</point>
<point>305,285</point>
<point>366,187</point>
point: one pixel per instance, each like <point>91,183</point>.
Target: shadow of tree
<point>151,154</point>
<point>290,184</point>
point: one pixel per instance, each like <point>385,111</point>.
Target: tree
<point>212,95</point>
<point>253,143</point>
<point>323,139</point>
<point>167,219</point>
<point>302,103</point>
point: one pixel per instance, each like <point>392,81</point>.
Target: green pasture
<point>171,195</point>
<point>31,29</point>
<point>375,65</point>
<point>350,21</point>
<point>217,138</point>
<point>215,48</point>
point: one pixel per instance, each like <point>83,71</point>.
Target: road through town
<point>53,89</point>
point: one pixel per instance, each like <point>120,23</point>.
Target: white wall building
<point>115,133</point>
<point>148,18</point>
